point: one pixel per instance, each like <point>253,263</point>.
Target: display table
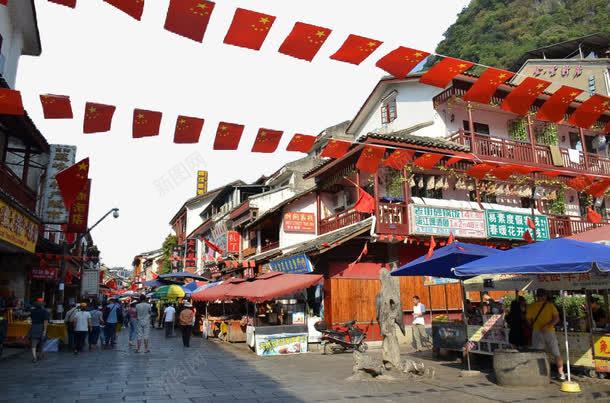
<point>280,340</point>
<point>18,331</point>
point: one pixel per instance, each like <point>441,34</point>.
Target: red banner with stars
<point>79,212</point>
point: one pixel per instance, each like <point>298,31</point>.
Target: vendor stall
<point>18,331</point>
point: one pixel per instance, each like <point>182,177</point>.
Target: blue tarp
<point>444,259</point>
<point>559,255</point>
<point>190,287</point>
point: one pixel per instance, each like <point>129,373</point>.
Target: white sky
<point>97,53</point>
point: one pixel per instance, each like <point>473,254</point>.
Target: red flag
<point>531,223</point>
<point>133,8</point>
<point>301,142</point>
<point>451,239</point>
<point>4,2</point>
<point>370,158</point>
<point>431,248</point>
<point>335,149</point>
<point>441,74</point>
<point>266,141</point>
<point>479,170</point>
<point>401,61</point>
<point>79,212</point>
<point>67,3</point>
<point>356,49</point>
<point>213,246</point>
<point>590,110</point>
<point>398,159</point>
<point>68,277</point>
<point>10,102</point>
<point>593,216</point>
<point>365,203</point>
<point>146,123</point>
<point>249,29</point>
<point>56,106</point>
<point>485,87</point>
<point>554,109</point>
<point>598,189</point>
<point>428,160</point>
<point>528,237</point>
<point>521,98</point>
<point>304,41</point>
<point>228,136</point>
<point>188,130</point>
<point>457,158</point>
<point>72,180</point>
<point>579,183</point>
<point>365,251</point>
<point>98,117</point>
<point>503,172</point>
<point>189,18</point>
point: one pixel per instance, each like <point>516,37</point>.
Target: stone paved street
<point>214,372</point>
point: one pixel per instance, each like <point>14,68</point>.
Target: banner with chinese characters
<point>17,229</point>
<point>294,264</point>
<point>190,255</point>
<point>202,182</point>
<point>593,280</point>
<point>510,225</point>
<point>44,273</point>
<point>233,241</point>
<point>300,222</point>
<point>79,212</point>
<point>442,221</point>
<point>53,210</point>
<point>281,344</point>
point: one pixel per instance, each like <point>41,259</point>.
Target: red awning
<point>218,292</point>
<point>598,234</point>
<point>272,285</point>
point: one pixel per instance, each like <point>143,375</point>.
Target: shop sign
<point>45,274</point>
<point>190,256</point>
<point>17,229</point>
<point>202,182</point>
<point>233,241</point>
<point>442,221</point>
<point>281,344</point>
<point>602,346</point>
<point>300,222</point>
<point>219,234</point>
<point>294,264</point>
<point>429,280</point>
<point>510,225</point>
<point>90,280</point>
<point>53,210</point>
<point>79,212</point>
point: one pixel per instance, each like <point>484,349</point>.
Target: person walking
<point>154,312</point>
<point>112,315</point>
<point>543,316</point>
<point>131,321</point>
<point>418,325</point>
<point>96,326</point>
<point>187,319</point>
<point>519,334</point>
<point>143,309</point>
<point>68,321</point>
<point>38,332</point>
<point>168,320</point>
<point>82,326</point>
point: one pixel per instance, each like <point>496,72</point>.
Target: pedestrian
<point>418,325</point>
<point>38,332</point>
<point>519,334</point>
<point>543,316</point>
<point>187,319</point>
<point>143,309</point>
<point>82,326</point>
<point>69,327</point>
<point>96,323</point>
<point>131,322</point>
<point>168,320</point>
<point>112,316</point>
<point>154,312</point>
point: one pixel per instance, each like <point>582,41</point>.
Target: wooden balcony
<point>249,252</point>
<point>392,218</point>
<point>340,220</point>
<point>270,246</point>
<point>565,226</point>
<point>11,184</point>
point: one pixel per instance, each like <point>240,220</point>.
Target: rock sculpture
<point>389,314</point>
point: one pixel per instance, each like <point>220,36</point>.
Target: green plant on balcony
<point>558,206</point>
<point>547,135</point>
<point>394,184</point>
<point>517,129</point>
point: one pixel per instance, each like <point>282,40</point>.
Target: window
<point>388,110</point>
<point>479,128</point>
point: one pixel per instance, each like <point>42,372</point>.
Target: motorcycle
<point>341,339</point>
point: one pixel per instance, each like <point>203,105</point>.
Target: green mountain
<point>498,32</point>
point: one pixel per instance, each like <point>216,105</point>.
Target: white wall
<point>306,204</point>
<point>268,200</point>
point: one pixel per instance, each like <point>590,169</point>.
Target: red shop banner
<point>300,222</point>
<point>46,273</point>
<point>79,212</point>
<point>190,261</point>
<point>233,241</point>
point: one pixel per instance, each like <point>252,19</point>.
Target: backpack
<point>186,317</point>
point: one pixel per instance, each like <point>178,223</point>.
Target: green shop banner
<point>509,225</point>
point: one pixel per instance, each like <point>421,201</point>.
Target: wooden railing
<point>11,184</point>
<point>340,220</point>
<point>565,226</point>
<point>270,246</point>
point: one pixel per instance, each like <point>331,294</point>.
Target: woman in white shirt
<point>419,325</point>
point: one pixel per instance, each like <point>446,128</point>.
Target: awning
<point>272,285</point>
<point>597,235</point>
<point>217,293</point>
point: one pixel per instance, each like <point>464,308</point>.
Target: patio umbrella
<point>182,275</point>
<point>190,287</point>
<point>169,292</point>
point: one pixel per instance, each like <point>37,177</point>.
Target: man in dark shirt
<point>38,331</point>
<point>600,316</point>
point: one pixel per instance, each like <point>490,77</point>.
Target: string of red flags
<point>480,170</point>
<point>441,74</point>
<point>521,98</point>
<point>72,180</point>
<point>356,49</point>
<point>267,141</point>
<point>133,8</point>
<point>228,136</point>
<point>67,3</point>
<point>98,117</point>
<point>370,158</point>
<point>189,18</point>
<point>10,102</point>
<point>146,123</point>
<point>401,61</point>
<point>56,106</point>
<point>188,130</point>
<point>399,158</point>
<point>590,111</point>
<point>249,29</point>
<point>555,108</point>
<point>304,41</point>
<point>428,160</point>
<point>485,87</point>
<point>301,143</point>
<point>335,149</point>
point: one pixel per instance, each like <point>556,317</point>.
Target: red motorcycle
<point>341,339</point>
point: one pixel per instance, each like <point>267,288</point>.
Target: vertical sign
<point>53,210</point>
<point>202,182</point>
<point>79,212</point>
<point>190,258</point>
<point>233,241</point>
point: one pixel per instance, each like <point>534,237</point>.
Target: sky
<point>96,53</point>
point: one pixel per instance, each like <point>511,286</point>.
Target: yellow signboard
<point>17,229</point>
<point>202,182</point>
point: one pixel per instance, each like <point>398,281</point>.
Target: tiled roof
<point>402,136</point>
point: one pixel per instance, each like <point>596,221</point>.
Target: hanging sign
<point>45,274</point>
<point>52,204</point>
<point>202,182</point>
<point>17,229</point>
<point>190,255</point>
<point>294,264</point>
<point>79,212</point>
<point>233,241</point>
<point>510,225</point>
<point>300,222</point>
<point>443,221</point>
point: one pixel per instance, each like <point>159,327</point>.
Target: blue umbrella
<point>555,256</point>
<point>444,259</point>
<point>190,287</point>
<point>182,275</point>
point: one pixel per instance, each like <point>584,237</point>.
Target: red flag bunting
<point>369,159</point>
<point>479,170</point>
<point>133,8</point>
<point>504,172</point>
<point>67,3</point>
<point>401,61</point>
<point>431,248</point>
<point>365,203</point>
<point>451,238</point>
<point>598,189</point>
<point>301,142</point>
<point>554,109</point>
<point>428,160</point>
<point>79,212</point>
<point>579,183</point>
<point>56,106</point>
<point>213,246</point>
<point>593,216</point>
<point>266,141</point>
<point>551,174</point>
<point>521,98</point>
<point>72,180</point>
<point>528,237</point>
<point>188,130</point>
<point>356,49</point>
<point>189,18</point>
<point>589,111</point>
<point>146,123</point>
<point>485,87</point>
<point>531,223</point>
<point>249,29</point>
<point>98,117</point>
<point>304,41</point>
<point>335,149</point>
<point>228,136</point>
<point>399,158</point>
<point>441,74</point>
<point>457,158</point>
<point>10,102</point>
